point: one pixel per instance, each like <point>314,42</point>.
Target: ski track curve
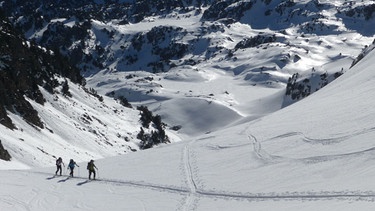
<point>260,153</point>
<point>331,140</point>
<point>325,141</point>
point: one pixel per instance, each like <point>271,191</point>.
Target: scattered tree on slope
<point>4,155</point>
<point>24,67</point>
<point>154,137</point>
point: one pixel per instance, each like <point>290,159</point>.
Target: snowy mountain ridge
<point>44,99</point>
<point>239,142</point>
<point>314,154</point>
<point>195,58</point>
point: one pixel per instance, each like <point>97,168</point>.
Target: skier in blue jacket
<point>71,166</point>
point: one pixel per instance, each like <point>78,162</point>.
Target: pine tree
<point>65,89</point>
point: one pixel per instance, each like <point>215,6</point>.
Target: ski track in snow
<point>262,154</point>
<point>193,193</point>
<point>14,203</point>
<point>192,197</point>
<point>326,141</point>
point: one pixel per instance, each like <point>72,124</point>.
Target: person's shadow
<point>64,180</point>
<point>49,178</point>
<point>82,183</point>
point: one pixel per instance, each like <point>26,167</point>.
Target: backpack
<point>71,164</point>
<point>90,166</point>
<point>58,162</point>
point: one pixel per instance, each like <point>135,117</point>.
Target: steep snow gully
<point>194,192</point>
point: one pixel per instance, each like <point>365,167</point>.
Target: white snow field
<point>238,149</point>
<point>317,154</point>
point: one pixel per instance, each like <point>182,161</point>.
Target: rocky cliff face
<point>93,34</point>
<point>72,27</point>
<point>24,68</point>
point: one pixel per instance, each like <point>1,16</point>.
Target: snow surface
<point>238,149</point>
<point>313,155</point>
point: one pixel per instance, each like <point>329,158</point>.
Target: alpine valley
<point>188,104</point>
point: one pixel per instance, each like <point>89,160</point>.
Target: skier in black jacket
<point>59,162</point>
<point>91,167</point>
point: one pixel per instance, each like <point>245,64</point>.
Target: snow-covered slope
<point>80,126</point>
<point>258,42</point>
<point>314,154</point>
<point>241,148</point>
<point>238,62</point>
<point>229,57</point>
